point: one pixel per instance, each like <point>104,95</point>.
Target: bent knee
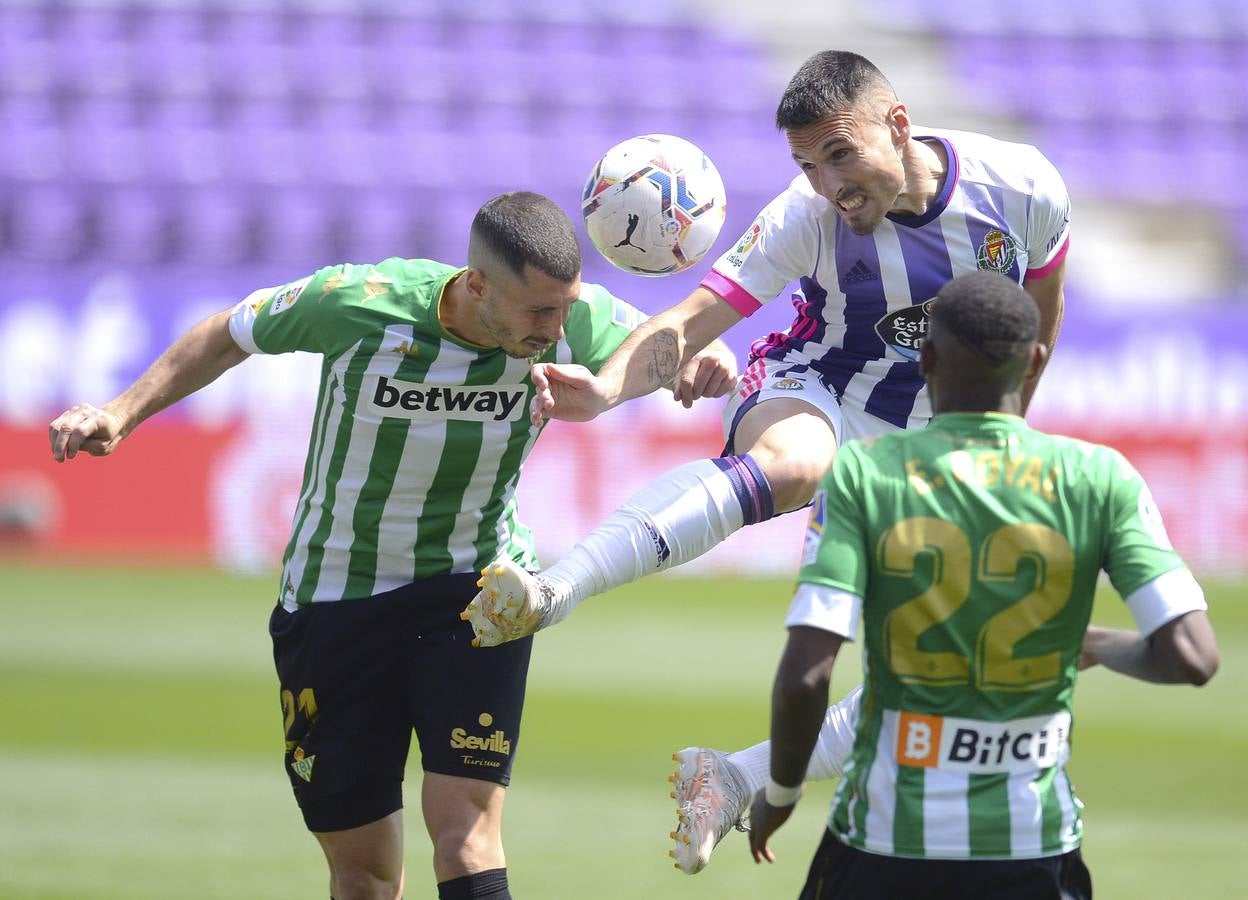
<point>793,477</point>
<point>466,850</point>
<point>358,883</point>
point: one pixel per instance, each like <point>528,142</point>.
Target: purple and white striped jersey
<point>863,303</point>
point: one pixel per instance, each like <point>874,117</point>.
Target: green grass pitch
<point>140,742</point>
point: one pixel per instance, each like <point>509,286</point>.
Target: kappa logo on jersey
<point>496,742</point>
<point>980,747</point>
<point>410,400</point>
<point>747,243</point>
<point>789,384</point>
<point>285,298</point>
<point>997,252</point>
<point>814,528</point>
<point>903,330</point>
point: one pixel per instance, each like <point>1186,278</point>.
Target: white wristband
<point>780,796</point>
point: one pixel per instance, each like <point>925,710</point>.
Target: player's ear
<point>899,124</point>
<point>475,282</point>
<point>927,358</point>
<point>1035,364</point>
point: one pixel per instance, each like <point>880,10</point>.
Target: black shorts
<point>840,872</point>
<point>359,676</point>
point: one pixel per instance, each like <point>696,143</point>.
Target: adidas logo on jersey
<point>860,272</point>
<point>409,400</point>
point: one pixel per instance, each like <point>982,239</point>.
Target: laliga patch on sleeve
<point>748,242</point>
<point>814,528</point>
<point>628,316</point>
<point>286,297</point>
<point>1150,517</point>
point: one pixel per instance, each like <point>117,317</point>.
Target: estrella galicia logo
<point>997,252</point>
<point>904,329</point>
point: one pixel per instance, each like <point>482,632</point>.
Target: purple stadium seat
<point>224,115</point>
<point>576,78</point>
<point>381,226</point>
<point>93,51</point>
<point>341,145</point>
<point>171,53</point>
<point>1131,79</point>
<point>216,226</point>
<point>47,223</point>
<point>327,58</point>
<point>132,225</point>
<point>265,151</point>
<point>421,151</point>
<point>295,225</point>
<point>417,72</point>
<point>36,144</point>
<point>108,144</point>
<point>252,54</point>
<point>27,65</point>
<point>192,147</point>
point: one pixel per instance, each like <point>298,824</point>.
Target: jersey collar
<point>941,203</point>
<point>437,316</point>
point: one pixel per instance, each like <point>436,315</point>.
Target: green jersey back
<point>975,545</point>
<point>418,436</point>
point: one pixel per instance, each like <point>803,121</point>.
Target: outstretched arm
<point>651,357</point>
<point>711,372</point>
<point>195,360</point>
<point>798,701</point>
<point>1183,651</point>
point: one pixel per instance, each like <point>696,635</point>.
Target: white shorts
<point>769,379</point>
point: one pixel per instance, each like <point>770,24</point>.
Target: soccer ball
<point>653,204</point>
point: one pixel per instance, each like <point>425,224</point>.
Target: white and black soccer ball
<point>653,205</point>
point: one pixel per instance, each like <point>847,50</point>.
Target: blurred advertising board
<point>214,478</point>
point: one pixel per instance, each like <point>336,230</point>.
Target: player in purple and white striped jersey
<point>883,215</point>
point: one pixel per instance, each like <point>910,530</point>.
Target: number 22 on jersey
<point>994,665</point>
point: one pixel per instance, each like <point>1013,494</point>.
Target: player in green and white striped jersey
<point>966,556</point>
<point>421,426</point>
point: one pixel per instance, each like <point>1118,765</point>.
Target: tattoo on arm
<point>663,358</point>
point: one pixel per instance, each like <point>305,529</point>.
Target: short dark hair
<point>989,314</point>
<point>830,81</point>
<point>523,228</point>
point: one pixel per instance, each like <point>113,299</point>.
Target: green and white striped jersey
<point>418,436</point>
<point>973,547</point>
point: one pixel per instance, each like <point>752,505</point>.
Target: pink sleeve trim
<point>732,293</point>
<point>1047,269</point>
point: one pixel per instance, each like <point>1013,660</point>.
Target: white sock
<point>674,519</point>
<point>754,766</point>
<point>836,738</point>
<point>832,749</point>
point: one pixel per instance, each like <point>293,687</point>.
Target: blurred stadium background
<point>159,160</point>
